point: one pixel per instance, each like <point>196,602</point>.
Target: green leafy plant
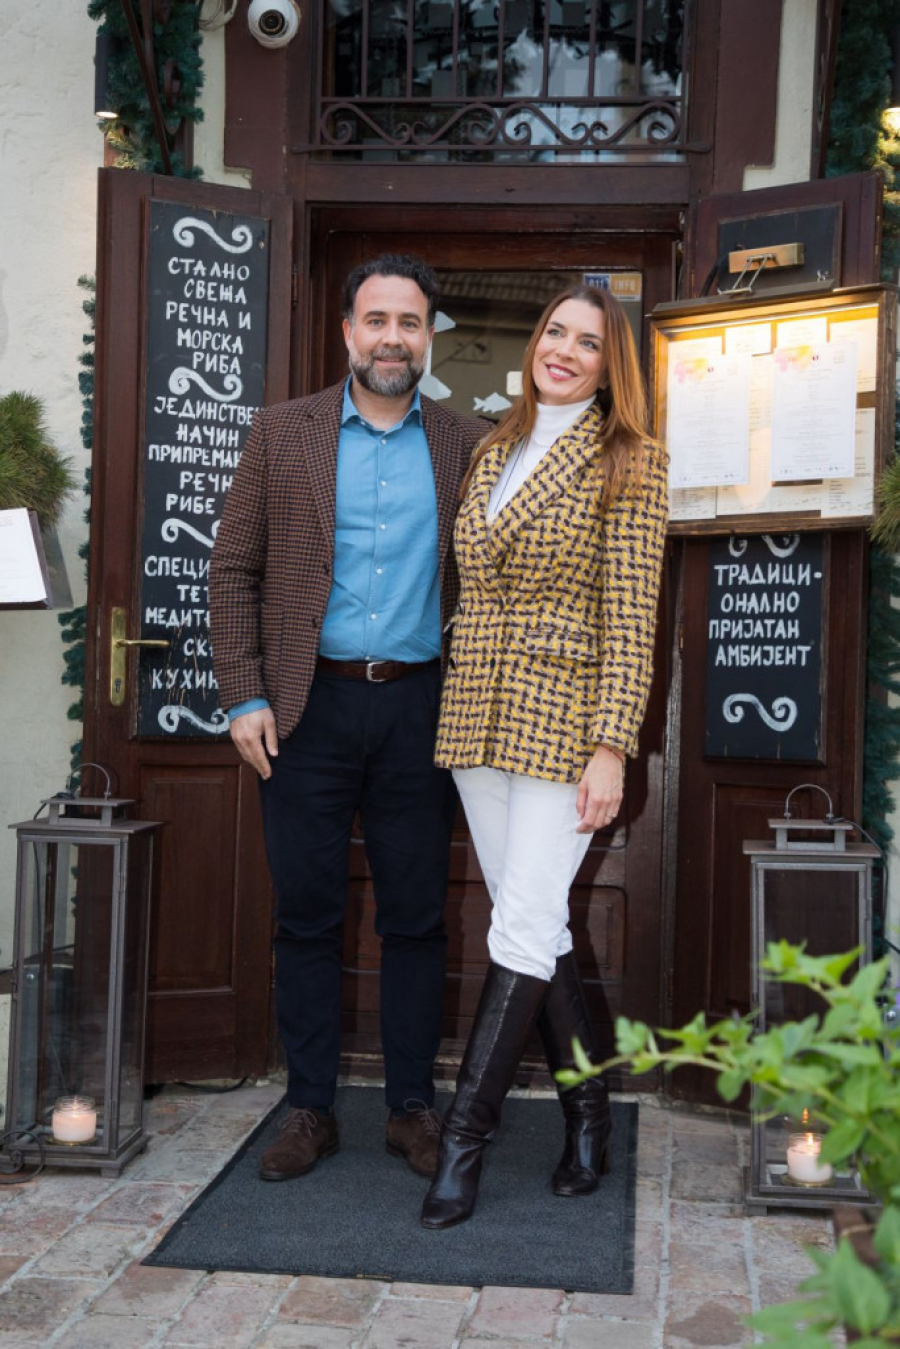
<point>176,41</point>
<point>33,474</point>
<point>844,1066</point>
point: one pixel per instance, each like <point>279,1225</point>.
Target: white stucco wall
<point>796,78</point>
<point>50,149</point>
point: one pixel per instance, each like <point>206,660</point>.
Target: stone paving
<point>71,1246</point>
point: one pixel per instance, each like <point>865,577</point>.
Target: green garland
<point>176,46</point>
<point>74,621</point>
<point>860,139</point>
<point>176,49</point>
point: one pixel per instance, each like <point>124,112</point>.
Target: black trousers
<point>365,747</point>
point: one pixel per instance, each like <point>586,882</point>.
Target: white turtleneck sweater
<point>550,423</point>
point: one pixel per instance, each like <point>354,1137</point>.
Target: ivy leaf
<point>837,966</point>
<point>843,1140</point>
<point>887,1236</point>
<point>582,1062</point>
<point>730,1084</point>
<point>868,1056</point>
<point>859,1296</point>
<point>631,1036</point>
<point>868,980</point>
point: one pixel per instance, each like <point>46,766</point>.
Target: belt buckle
<point>370,677</point>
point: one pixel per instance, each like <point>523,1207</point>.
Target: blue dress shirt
<point>385,601</point>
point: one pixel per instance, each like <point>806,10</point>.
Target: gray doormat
<point>357,1214</point>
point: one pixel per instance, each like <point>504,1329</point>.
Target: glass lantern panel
<point>775,1137</point>
<point>818,906</point>
<point>134,965</point>
<point>65,907</point>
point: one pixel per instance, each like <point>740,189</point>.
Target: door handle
<point>118,648</point>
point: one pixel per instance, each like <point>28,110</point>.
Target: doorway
<point>495,281</point>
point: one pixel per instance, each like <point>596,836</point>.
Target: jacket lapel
<point>321,445</point>
<point>554,475</point>
<point>444,456</point>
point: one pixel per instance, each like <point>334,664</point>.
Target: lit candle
<point>74,1120</point>
<point>803,1160</point>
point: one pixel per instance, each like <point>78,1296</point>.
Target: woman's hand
<point>600,790</point>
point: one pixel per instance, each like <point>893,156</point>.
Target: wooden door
<point>719,801</point>
<point>497,271</point>
<point>193,315</point>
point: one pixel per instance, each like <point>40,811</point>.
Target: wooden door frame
<point>229,1034</point>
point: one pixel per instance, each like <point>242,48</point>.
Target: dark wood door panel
<point>192,945</point>
<point>722,802</point>
<point>737,812</point>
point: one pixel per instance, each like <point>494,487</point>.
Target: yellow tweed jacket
<point>553,638</point>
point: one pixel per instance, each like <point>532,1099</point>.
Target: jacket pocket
<point>552,637</point>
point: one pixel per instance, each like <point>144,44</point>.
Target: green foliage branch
<point>179,75</point>
<point>863,136</point>
<point>843,1065</point>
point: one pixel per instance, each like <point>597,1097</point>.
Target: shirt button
<point>373,617</point>
<point>379,570</point>
<point>384,442</point>
<point>383,482</point>
<point>382,526</point>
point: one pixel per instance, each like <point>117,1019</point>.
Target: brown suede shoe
<point>305,1136</point>
<point>415,1136</point>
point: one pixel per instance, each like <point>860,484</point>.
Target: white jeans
<point>524,831</point>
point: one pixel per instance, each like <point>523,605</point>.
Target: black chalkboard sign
<point>764,651</point>
<point>206,348</point>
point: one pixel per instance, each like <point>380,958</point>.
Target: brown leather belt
<point>371,671</point>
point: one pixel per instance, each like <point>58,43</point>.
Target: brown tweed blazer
<point>553,638</point>
<point>270,574</point>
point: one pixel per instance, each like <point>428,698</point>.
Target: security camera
<point>273,22</point>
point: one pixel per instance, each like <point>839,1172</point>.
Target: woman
<point>559,541</point>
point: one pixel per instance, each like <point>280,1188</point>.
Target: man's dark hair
<point>392,264</point>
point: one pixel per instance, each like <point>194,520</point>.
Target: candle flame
<point>811,1141</point>
<point>804,1118</point>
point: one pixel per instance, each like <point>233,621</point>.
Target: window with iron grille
<point>501,80</point>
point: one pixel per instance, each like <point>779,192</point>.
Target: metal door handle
<point>118,647</point>
<point>146,641</point>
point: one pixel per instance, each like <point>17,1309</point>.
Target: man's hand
<point>600,791</point>
<point>256,739</point>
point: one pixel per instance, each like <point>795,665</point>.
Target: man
<point>330,586</point>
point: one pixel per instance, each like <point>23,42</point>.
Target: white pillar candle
<point>74,1120</point>
<point>803,1162</point>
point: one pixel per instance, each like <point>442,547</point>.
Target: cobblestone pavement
<point>71,1246</point>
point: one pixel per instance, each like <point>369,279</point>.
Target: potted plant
<point>844,1066</point>
<point>33,474</point>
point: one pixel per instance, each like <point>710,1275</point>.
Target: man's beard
<point>390,384</point>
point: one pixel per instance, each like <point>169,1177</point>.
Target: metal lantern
<point>75,1094</point>
<point>810,885</point>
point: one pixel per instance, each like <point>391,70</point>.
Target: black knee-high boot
<point>506,1013</point>
<point>564,1017</point>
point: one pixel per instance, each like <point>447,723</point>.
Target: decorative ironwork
<point>501,78</point>
<point>14,1159</point>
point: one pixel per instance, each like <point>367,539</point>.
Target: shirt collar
<point>349,411</point>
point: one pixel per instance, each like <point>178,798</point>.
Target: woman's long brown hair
<point>624,402</point>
